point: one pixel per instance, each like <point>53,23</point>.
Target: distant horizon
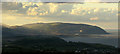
<point>61,22</point>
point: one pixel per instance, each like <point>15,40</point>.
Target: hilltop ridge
<point>57,28</point>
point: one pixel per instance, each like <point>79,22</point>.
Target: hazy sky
<point>104,15</point>
<point>60,0</point>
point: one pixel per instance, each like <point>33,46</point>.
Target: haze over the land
<point>104,15</point>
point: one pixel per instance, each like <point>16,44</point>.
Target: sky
<point>60,0</point>
<point>104,15</point>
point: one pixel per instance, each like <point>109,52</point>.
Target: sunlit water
<point>108,39</point>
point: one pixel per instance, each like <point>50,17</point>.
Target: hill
<point>54,29</point>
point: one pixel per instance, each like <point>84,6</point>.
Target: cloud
<point>94,18</point>
<point>62,12</point>
<point>53,7</point>
<point>96,10</point>
<point>92,0</point>
<point>11,6</point>
<point>32,11</point>
<point>60,0</point>
<point>6,17</point>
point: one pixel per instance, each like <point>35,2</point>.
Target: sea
<point>106,39</point>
